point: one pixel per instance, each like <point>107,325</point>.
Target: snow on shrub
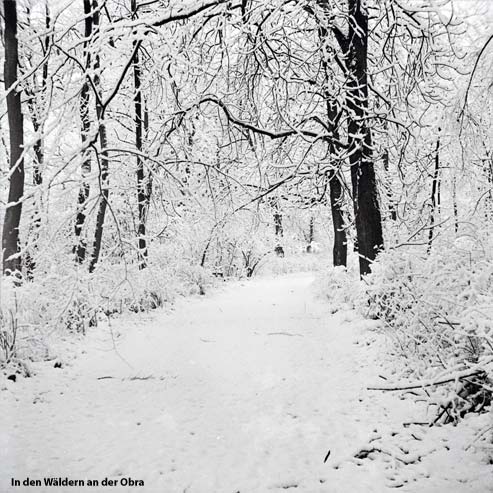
<point>293,262</point>
<point>66,297</point>
<point>339,287</point>
<point>438,307</point>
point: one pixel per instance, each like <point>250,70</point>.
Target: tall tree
<point>80,219</point>
<point>142,200</point>
<point>333,111</point>
<point>278,228</point>
<point>368,219</point>
<point>435,194</point>
<point>13,212</point>
<point>103,158</point>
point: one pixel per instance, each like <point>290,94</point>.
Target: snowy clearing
<point>244,390</point>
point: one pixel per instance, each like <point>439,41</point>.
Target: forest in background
<point>149,148</point>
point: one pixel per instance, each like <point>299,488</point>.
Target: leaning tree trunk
<point>13,211</point>
<point>365,197</point>
<point>80,246</point>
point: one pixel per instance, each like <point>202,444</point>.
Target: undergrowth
<point>436,310</point>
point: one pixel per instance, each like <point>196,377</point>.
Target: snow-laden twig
<point>430,383</point>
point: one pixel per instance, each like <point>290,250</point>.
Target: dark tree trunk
<point>103,161</point>
<point>13,212</point>
<point>311,235</point>
<point>456,210</point>
<point>104,196</point>
<point>38,155</point>
<point>339,251</point>
<point>142,200</point>
<point>278,229</point>
<point>388,184</point>
<point>141,182</point>
<point>38,145</point>
<point>36,108</point>
<point>364,187</point>
<point>435,194</point>
<point>148,186</point>
<point>80,246</point>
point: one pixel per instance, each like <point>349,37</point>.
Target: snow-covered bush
<point>436,310</point>
<point>66,297</point>
<point>338,286</point>
<point>438,307</point>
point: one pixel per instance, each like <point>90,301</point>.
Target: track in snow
<point>245,390</point>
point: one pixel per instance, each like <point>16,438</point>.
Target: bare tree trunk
<point>311,234</point>
<point>388,184</point>
<point>148,185</point>
<point>104,195</point>
<point>80,246</point>
<point>36,109</point>
<point>13,212</point>
<point>339,251</point>
<point>365,196</point>
<point>278,229</point>
<point>103,162</point>
<point>38,145</point>
<point>456,210</point>
<point>488,168</point>
<point>141,182</point>
<point>435,194</point>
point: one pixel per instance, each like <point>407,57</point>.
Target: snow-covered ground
<point>244,390</point>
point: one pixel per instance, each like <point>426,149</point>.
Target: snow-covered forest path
<point>244,390</point>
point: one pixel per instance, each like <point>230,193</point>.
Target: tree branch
<point>186,14</point>
<point>262,131</point>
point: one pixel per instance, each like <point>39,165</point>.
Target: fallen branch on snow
<point>430,383</point>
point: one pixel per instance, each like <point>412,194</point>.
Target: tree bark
<point>38,145</point>
<point>364,187</point>
<point>278,229</point>
<point>80,246</point>
<point>36,108</point>
<point>311,234</point>
<point>339,251</point>
<point>103,161</point>
<point>456,210</point>
<point>103,164</point>
<point>388,183</point>
<point>435,194</point>
<point>142,201</point>
<point>13,212</point>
